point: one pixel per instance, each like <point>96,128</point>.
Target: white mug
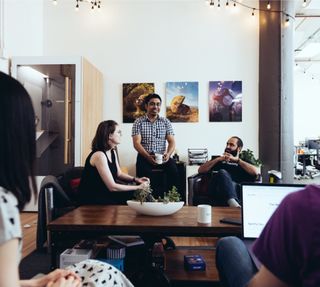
<point>158,158</point>
<point>204,213</point>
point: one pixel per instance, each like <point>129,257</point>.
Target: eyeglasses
<point>152,104</point>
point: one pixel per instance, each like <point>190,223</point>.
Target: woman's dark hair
<point>17,140</point>
<point>148,98</point>
<point>104,130</point>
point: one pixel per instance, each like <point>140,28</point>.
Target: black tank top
<point>92,189</point>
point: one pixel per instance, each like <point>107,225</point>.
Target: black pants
<point>222,188</point>
<point>170,170</point>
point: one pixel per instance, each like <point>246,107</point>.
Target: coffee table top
<point>119,219</point>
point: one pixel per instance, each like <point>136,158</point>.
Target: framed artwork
<point>133,100</point>
<point>182,101</point>
<point>225,101</point>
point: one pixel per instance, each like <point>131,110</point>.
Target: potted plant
<point>248,156</point>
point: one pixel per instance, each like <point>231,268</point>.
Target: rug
<point>36,262</point>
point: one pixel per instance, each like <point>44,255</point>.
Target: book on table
<point>127,240</point>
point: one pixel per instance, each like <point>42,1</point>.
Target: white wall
<point>22,27</point>
<point>160,41</point>
<point>306,107</point>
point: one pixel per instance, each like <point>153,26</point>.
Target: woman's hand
<point>57,274</point>
<point>142,180</point>
<point>70,281</point>
<point>143,185</point>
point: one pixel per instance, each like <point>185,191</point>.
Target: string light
<point>287,23</point>
<point>254,9</point>
<point>95,4</point>
<point>304,70</point>
<point>304,3</point>
<point>268,5</point>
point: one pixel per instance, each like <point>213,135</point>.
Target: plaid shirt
<point>153,135</point>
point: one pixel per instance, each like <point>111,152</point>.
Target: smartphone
<point>235,221</point>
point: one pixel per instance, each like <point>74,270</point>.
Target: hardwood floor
<point>29,229</point>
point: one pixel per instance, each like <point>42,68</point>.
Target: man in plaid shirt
<point>150,133</point>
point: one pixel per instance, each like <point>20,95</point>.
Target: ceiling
<point>307,31</point>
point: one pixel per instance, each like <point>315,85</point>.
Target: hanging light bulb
<point>227,4</point>
<point>219,4</point>
<point>211,4</point>
<point>268,5</point>
<point>287,23</point>
<point>94,4</point>
<point>304,4</point>
<point>234,4</point>
<point>252,11</point>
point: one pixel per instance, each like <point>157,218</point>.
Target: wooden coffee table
<point>89,222</point>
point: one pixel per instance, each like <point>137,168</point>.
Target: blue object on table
<point>118,263</point>
<point>194,262</point>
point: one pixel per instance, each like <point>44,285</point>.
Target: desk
<point>87,222</point>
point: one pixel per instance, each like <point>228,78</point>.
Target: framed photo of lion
<point>182,101</point>
<point>133,100</point>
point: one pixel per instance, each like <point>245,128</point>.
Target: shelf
<point>175,268</point>
<point>44,141</point>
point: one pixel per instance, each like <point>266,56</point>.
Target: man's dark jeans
<point>144,168</point>
<point>234,262</point>
<point>222,188</point>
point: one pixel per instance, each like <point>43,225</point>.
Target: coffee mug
<point>158,158</point>
<point>204,213</point>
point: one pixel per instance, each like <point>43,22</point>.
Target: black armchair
<point>198,188</point>
<point>57,196</point>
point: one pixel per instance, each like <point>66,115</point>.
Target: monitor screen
<point>259,201</point>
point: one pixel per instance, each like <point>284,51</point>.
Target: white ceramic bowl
<point>155,208</point>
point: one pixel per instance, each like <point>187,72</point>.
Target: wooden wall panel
<point>92,106</point>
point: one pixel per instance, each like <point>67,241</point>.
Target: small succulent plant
<point>145,195</point>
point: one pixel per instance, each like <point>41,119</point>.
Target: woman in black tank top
<point>100,178</point>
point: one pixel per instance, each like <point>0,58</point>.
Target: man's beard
<point>232,152</point>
